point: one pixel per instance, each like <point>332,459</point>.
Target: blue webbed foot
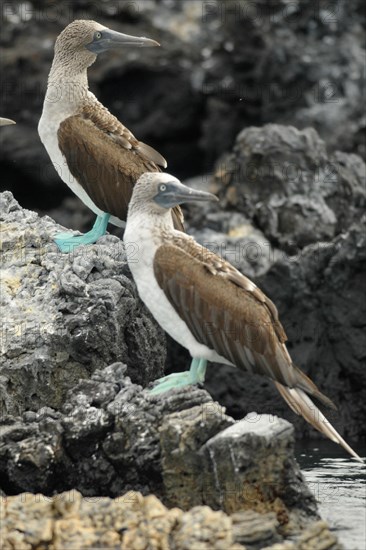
<point>67,242</point>
<point>195,375</point>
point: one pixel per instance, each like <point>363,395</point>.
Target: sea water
<point>339,485</point>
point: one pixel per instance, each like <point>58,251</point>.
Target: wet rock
<point>111,436</point>
<point>66,315</point>
<point>284,180</point>
<point>226,485</point>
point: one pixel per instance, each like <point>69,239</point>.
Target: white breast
<point>141,245</point>
<point>52,116</point>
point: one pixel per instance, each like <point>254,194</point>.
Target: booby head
<point>161,191</point>
<point>83,40</point>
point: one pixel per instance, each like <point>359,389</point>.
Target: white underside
<point>52,116</point>
<point>141,244</point>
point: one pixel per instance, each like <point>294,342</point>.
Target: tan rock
<point>69,521</point>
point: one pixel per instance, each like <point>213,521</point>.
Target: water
<point>339,485</point>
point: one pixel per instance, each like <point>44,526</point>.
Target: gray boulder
<point>285,182</point>
<point>111,436</point>
<point>66,315</point>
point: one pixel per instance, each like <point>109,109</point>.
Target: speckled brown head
<point>82,40</point>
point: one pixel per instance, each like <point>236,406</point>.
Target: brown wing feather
<point>106,159</point>
<point>227,312</point>
<point>302,405</point>
<point>108,123</point>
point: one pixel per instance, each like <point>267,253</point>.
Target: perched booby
<point>207,305</point>
<point>6,121</point>
<point>93,152</point>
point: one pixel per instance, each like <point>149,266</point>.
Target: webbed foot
<point>195,375</point>
<point>67,242</point>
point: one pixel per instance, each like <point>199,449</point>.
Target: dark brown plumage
<point>107,159</point>
<point>228,313</point>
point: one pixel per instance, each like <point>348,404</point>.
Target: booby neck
<point>150,215</point>
<point>71,67</point>
<point>76,49</point>
<point>68,83</point>
<point>148,228</point>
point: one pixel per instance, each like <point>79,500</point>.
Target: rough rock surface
<point>112,438</point>
<point>66,315</point>
<point>134,522</point>
<point>284,180</point>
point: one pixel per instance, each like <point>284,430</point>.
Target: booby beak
<point>6,121</point>
<point>107,39</point>
<point>171,194</point>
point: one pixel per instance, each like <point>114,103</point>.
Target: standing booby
<point>93,153</point>
<point>207,305</point>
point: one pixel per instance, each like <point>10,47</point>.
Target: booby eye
<point>162,187</point>
<point>98,35</point>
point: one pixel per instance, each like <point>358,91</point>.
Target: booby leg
<point>68,241</point>
<point>195,375</point>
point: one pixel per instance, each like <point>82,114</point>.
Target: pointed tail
<point>302,405</point>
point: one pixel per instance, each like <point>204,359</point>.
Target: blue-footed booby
<point>92,151</point>
<point>207,305</point>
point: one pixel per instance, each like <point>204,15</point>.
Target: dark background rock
<point>288,185</point>
<point>222,66</point>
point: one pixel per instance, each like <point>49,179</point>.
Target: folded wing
<point>228,313</point>
<point>107,160</point>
